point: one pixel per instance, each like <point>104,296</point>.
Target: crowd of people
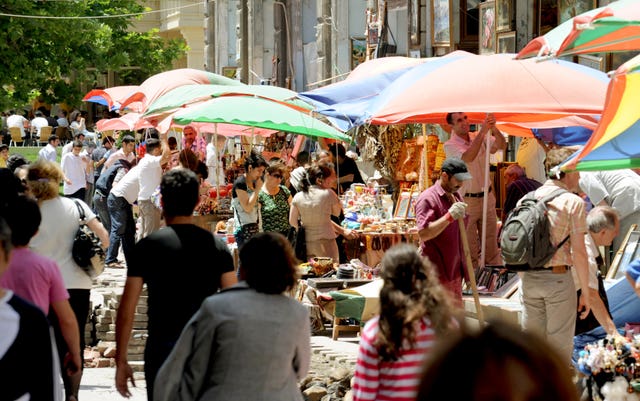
<point>234,333</point>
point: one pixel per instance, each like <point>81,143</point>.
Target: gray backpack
<point>525,242</point>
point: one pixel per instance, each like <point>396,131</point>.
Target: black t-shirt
<point>239,183</point>
<point>181,265</point>
<point>349,166</point>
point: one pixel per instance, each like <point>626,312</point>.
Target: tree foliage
<point>53,58</point>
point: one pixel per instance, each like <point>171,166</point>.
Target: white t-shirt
<point>48,153</point>
<point>73,168</point>
<point>129,186</point>
<point>150,174</point>
<point>66,149</point>
<point>619,189</point>
<point>38,123</point>
<point>54,239</point>
<point>16,120</point>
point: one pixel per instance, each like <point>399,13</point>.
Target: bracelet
<point>449,217</point>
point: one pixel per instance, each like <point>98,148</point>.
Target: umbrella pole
<point>472,276</point>
<point>485,204</point>
<point>217,171</point>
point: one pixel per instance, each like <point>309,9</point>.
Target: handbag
<point>87,250</point>
<point>590,322</point>
<point>250,229</point>
<point>298,242</point>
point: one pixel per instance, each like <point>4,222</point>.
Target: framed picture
<point>414,22</point>
<point>506,42</point>
<point>547,16</point>
<point>229,72</point>
<point>596,62</point>
<point>406,204</point>
<point>372,35</point>
<point>441,22</point>
<point>358,50</point>
<point>414,53</point>
<point>487,36</point>
<point>503,15</point>
<point>570,8</point>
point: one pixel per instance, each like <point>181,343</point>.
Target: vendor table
<point>208,221</point>
<point>371,246</point>
<point>334,284</point>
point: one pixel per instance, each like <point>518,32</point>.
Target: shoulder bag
<point>87,250</point>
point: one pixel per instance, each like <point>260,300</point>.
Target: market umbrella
<point>110,97</point>
<point>513,90</point>
<point>613,28</point>
<point>256,112</point>
<point>377,66</point>
<point>191,94</point>
<point>157,85</point>
<point>129,122</point>
<point>615,144</point>
<point>346,103</point>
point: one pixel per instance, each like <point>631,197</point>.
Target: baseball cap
<point>456,168</point>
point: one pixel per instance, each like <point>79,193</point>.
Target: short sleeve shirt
<point>567,216</point>
<point>455,147</point>
<point>181,265</point>
<point>445,250</point>
<point>315,209</point>
<point>274,210</point>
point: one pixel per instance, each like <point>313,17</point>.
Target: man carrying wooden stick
<point>437,210</point>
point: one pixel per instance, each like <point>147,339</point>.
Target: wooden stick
<point>472,275</point>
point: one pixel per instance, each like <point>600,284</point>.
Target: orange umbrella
<point>513,90</point>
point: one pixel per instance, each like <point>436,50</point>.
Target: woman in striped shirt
<point>414,310</point>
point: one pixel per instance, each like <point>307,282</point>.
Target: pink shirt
<point>35,278</point>
<point>398,380</point>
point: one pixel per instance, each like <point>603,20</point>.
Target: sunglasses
<point>276,175</point>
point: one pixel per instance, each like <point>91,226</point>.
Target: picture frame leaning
<point>506,42</point>
<point>503,15</point>
<point>441,23</point>
<point>487,34</point>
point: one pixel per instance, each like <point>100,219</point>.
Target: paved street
<point>98,384</point>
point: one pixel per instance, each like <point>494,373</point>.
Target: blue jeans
<point>123,228</point>
<point>100,206</point>
<point>624,305</point>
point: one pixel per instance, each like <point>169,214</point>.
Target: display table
<point>370,246</point>
<point>509,310</point>
<point>208,221</point>
<point>334,284</point>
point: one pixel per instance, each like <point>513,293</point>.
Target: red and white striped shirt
<point>390,380</point>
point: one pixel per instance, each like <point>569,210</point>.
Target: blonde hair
<point>43,179</point>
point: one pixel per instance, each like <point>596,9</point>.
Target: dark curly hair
<point>410,292</point>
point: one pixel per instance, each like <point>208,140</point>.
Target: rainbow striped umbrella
<point>614,144</point>
<point>613,28</point>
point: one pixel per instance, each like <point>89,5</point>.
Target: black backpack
<point>525,242</point>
